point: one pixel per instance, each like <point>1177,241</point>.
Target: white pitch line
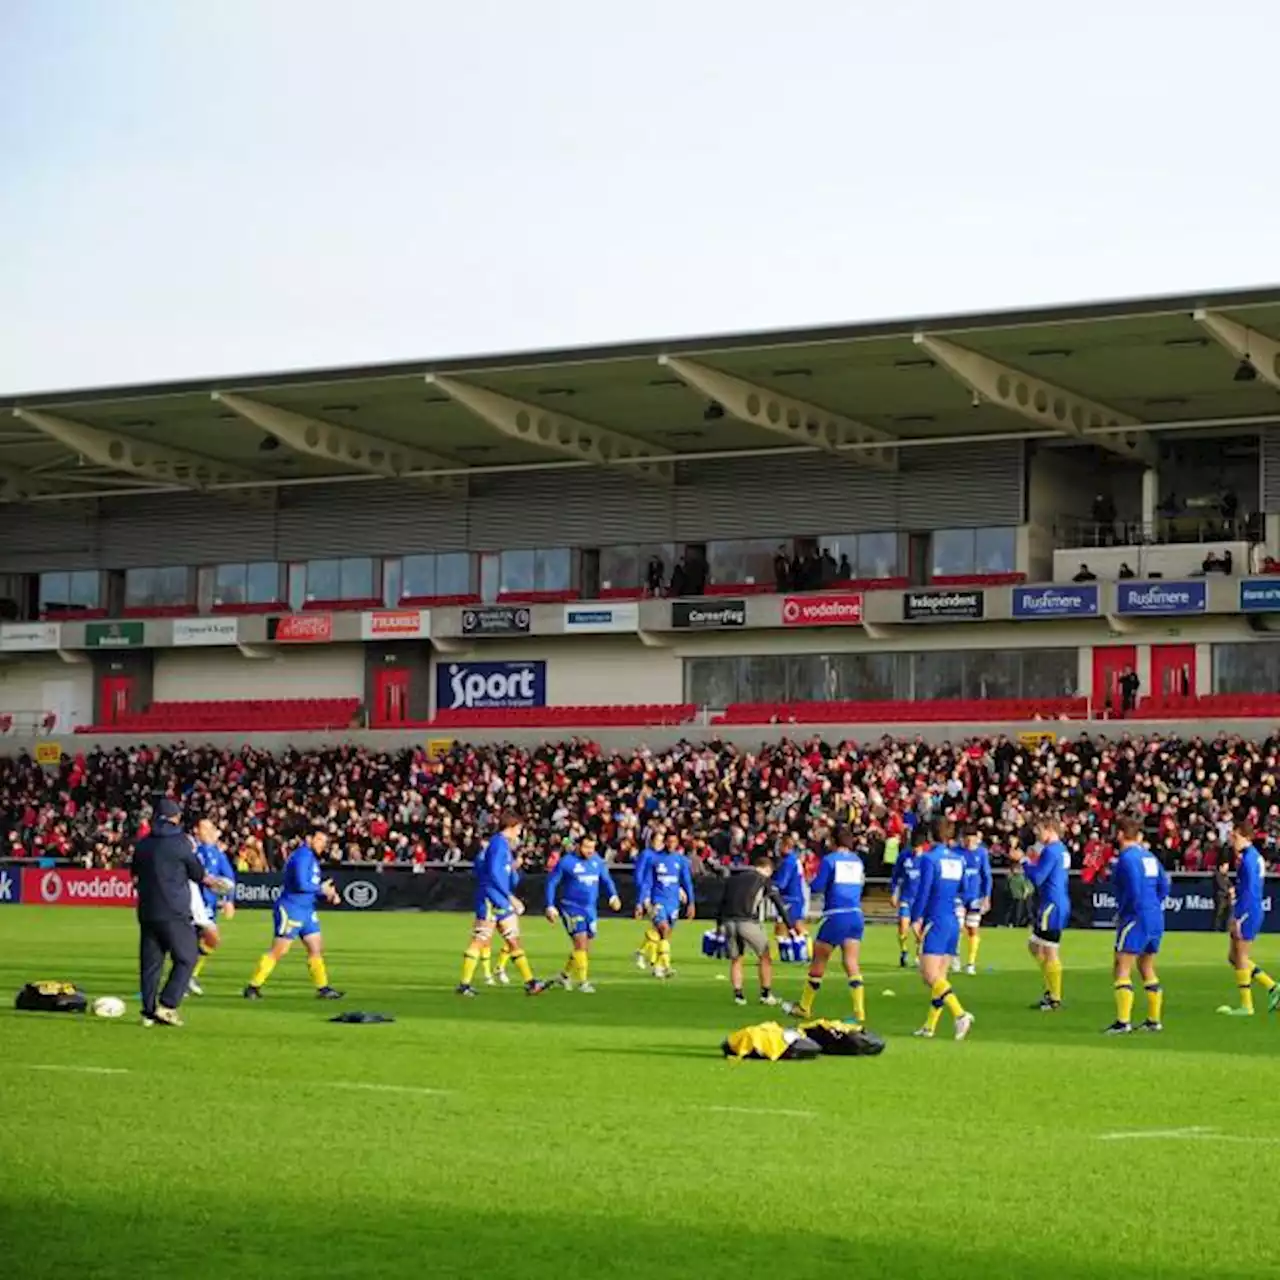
<point>1196,1133</point>
<point>760,1111</point>
<point>387,1088</point>
<point>89,1071</point>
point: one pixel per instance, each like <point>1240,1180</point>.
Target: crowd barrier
<point>1191,904</point>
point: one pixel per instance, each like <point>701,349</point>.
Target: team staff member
<point>1246,924</point>
<point>165,868</point>
<point>739,921</point>
<point>934,920</point>
<point>1141,885</point>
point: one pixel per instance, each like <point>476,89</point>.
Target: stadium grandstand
<point>1067,515</point>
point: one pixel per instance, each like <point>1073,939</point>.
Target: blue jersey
<point>640,870</point>
<point>1140,885</point>
<point>976,885</point>
<point>788,879</point>
<point>496,877</point>
<point>839,880</point>
<point>664,877</point>
<point>1250,877</point>
<point>938,890</point>
<point>215,863</point>
<point>905,879</point>
<point>579,880</point>
<point>300,886</point>
<point>1049,876</point>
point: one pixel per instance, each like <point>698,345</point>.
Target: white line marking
<point>1196,1133</point>
<point>761,1111</point>
<point>89,1071</point>
<point>386,1088</point>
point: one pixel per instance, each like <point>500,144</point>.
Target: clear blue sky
<point>194,188</point>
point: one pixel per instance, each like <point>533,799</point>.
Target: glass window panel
<point>1050,673</point>
<point>391,584</point>
<point>623,567</point>
<point>552,569</point>
<point>297,586</point>
<point>230,584</point>
<point>725,562</point>
<point>995,550</point>
<point>877,556</point>
<point>711,682</point>
<point>85,587</point>
<point>418,576</point>
<point>806,677</point>
<point>994,674</point>
<point>172,586</point>
<point>454,574</point>
<point>862,677</point>
<point>324,580</point>
<point>757,560</point>
<point>937,675</point>
<point>139,586</point>
<point>517,569</point>
<point>1246,668</point>
<point>262,582</point>
<point>55,591</point>
<point>763,679</point>
<point>952,552</point>
<point>355,579</point>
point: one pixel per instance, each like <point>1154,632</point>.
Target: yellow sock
<point>319,971</point>
<point>263,971</point>
<point>199,969</point>
<point>974,943</point>
<point>470,958</point>
<point>1155,1001</point>
<point>859,993</point>
<point>664,953</point>
<point>650,948</point>
<point>945,998</point>
<point>486,961</point>
<point>1053,978</point>
<point>521,962</point>
<point>809,995</point>
<point>934,1016</point>
<point>504,958</point>
<point>582,960</point>
<point>1124,1001</point>
<point>1244,980</point>
<point>1264,980</point>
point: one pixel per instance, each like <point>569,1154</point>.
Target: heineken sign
<point>113,635</point>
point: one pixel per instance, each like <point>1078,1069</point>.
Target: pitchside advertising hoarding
<point>1160,598</point>
<point>1190,905</point>
<point>1076,601</point>
<point>10,887</point>
<point>482,686</point>
<point>77,887</point>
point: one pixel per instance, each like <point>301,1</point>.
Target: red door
<point>115,695</point>
<point>390,696</point>
<point>1173,670</point>
<point>1110,662</point>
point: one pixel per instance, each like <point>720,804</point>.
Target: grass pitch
<point>584,1135</point>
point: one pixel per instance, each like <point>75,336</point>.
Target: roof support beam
<point>795,420</point>
<point>1039,401</point>
<point>543,428</point>
<point>17,485</point>
<point>331,443</point>
<point>1249,346</point>
<point>155,462</point>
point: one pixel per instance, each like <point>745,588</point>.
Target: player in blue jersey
<point>491,974</point>
<point>216,864</point>
<point>1247,914</point>
<point>496,904</point>
<point>578,878</point>
<point>933,916</point>
<point>975,894</point>
<point>1048,871</point>
<point>647,955</point>
<point>788,880</point>
<point>302,885</point>
<point>902,891</point>
<point>1140,885</point>
<point>667,885</point>
<point>840,880</point>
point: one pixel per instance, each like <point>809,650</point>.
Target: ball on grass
<point>888,992</point>
<point>108,1007</point>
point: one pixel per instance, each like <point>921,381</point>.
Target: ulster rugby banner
<point>77,887</point>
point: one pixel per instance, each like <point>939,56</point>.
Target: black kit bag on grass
<point>840,1040</point>
<point>51,997</point>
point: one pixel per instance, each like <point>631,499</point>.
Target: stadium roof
<point>1108,374</point>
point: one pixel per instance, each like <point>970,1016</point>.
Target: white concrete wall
<point>592,671</point>
<point>214,675</point>
<point>1180,560</point>
<point>37,683</point>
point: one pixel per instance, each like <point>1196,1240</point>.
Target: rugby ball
<point>108,1007</point>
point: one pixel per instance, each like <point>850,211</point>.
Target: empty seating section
<point>944,710</point>
<point>569,717</point>
<point>251,715</point>
<point>1243,706</point>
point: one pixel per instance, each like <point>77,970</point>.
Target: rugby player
<point>933,916</point>
<point>582,873</point>
<point>1140,884</point>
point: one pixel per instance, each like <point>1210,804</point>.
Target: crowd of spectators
<point>410,808</point>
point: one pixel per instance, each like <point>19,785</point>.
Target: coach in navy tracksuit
<point>165,866</point>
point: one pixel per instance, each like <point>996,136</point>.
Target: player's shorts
<point>200,914</point>
<point>973,913</point>
<point>578,922</point>
<point>842,927</point>
<point>941,937</point>
<point>1139,937</point>
<point>294,920</point>
<point>904,911</point>
<point>1049,926</point>
<point>741,936</point>
<point>664,913</point>
<point>1250,925</point>
<point>487,917</point>
<point>796,910</point>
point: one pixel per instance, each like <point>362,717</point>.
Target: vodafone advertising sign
<point>76,887</point>
<point>822,611</point>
